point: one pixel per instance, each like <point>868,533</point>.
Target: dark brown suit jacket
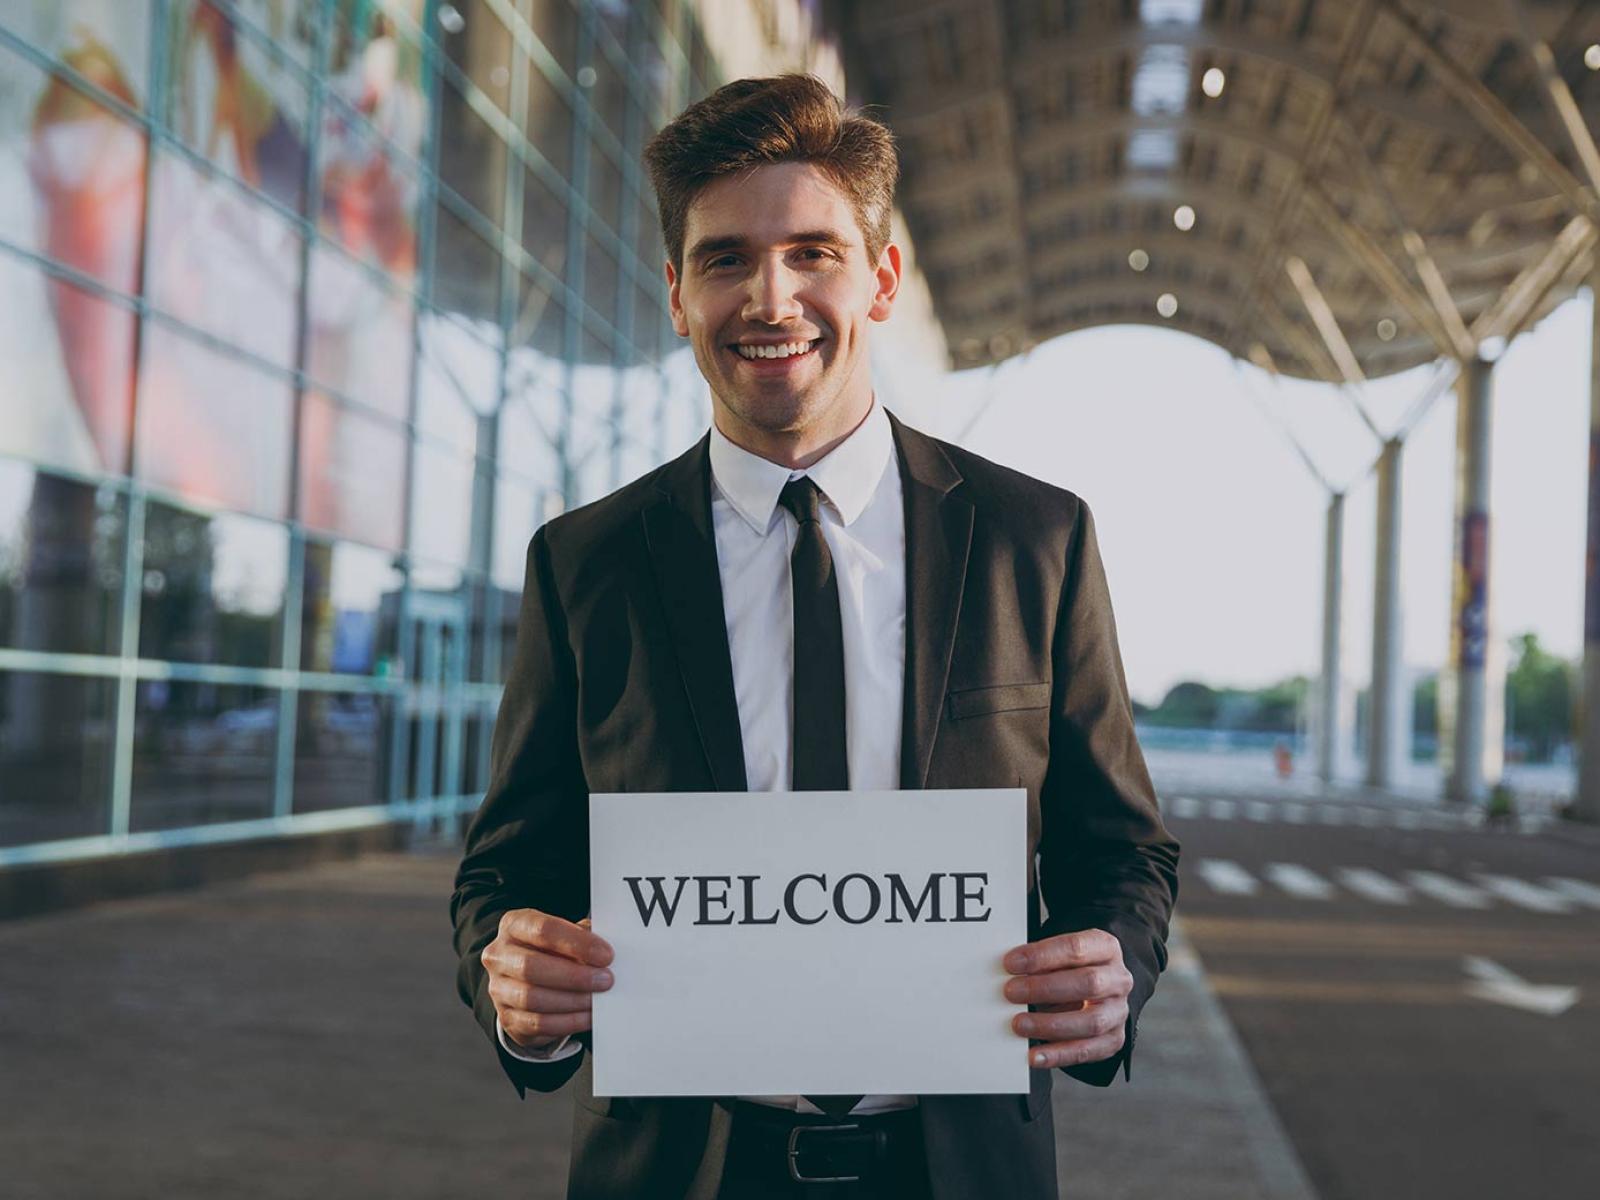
<point>622,683</point>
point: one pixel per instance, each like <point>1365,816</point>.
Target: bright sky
<point>1212,528</point>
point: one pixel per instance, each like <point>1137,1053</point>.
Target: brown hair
<point>753,122</point>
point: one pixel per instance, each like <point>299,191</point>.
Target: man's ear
<point>888,277</point>
<point>680,324</point>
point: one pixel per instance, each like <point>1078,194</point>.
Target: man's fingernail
<point>1016,991</point>
<point>1025,1025</point>
<point>1017,960</point>
<point>602,979</point>
<point>1039,1059</point>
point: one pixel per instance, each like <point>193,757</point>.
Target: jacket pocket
<point>1007,697</point>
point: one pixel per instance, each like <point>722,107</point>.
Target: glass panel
<point>69,361</point>
<point>352,472</point>
<point>480,623</point>
<point>516,516</point>
<point>359,336</point>
<point>61,557</point>
<point>479,46</point>
<point>202,753</point>
<point>212,428</point>
<point>605,188</point>
<point>442,506</point>
<point>377,68</point>
<point>544,225</point>
<point>340,759</point>
<point>466,268</point>
<point>370,194</point>
<point>538,338</point>
<point>233,100</point>
<point>472,157</point>
<point>647,242</point>
<point>549,121</point>
<point>351,596</point>
<point>56,746</point>
<point>459,380</point>
<point>600,280</point>
<point>71,173</point>
<point>222,261</point>
<point>555,23</point>
<point>609,95</point>
<point>213,587</point>
<point>106,41</point>
<point>529,424</point>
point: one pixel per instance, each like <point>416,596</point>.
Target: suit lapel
<point>683,554</point>
<point>938,539</point>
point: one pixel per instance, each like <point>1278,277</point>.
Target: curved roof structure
<point>1375,184</point>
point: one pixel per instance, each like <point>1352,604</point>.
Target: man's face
<point>776,265</point>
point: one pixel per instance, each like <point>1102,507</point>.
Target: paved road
<point>1368,958</point>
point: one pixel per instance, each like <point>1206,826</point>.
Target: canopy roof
<point>1378,183</point>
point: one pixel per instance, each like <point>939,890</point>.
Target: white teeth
<point>783,351</point>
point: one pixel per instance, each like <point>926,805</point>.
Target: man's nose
<point>772,299</point>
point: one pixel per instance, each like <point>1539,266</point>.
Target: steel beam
<point>1328,714</point>
<point>1559,95</point>
<point>1492,114</point>
<point>1587,803</point>
<point>1385,701</point>
<point>1468,710</point>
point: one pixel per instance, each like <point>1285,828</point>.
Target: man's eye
<point>813,252</point>
<point>722,260</point>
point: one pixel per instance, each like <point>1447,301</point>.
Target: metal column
<point>1467,774</point>
<point>1328,707</point>
<point>1385,703</point>
<point>1587,806</point>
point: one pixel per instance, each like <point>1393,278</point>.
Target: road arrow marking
<point>1497,985</point>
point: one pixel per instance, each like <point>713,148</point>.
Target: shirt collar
<point>847,475</point>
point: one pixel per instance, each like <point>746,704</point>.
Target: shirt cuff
<point>565,1048</point>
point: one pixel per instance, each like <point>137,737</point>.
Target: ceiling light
<point>1591,57</point>
<point>1387,329</point>
<point>450,19</point>
<point>1213,81</point>
<point>1183,217</point>
<point>1166,304</point>
<point>1491,348</point>
<point>1138,260</point>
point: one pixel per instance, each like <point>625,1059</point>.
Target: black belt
<point>778,1146</point>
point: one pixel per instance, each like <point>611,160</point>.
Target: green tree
<point>1539,697</point>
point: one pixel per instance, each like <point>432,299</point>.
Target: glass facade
<point>313,311</point>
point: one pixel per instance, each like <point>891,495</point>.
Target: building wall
<point>314,310</point>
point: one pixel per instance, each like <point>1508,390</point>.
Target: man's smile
<point>775,356</point>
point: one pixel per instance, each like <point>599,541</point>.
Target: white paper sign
<point>818,942</point>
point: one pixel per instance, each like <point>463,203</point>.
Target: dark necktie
<point>819,759</point>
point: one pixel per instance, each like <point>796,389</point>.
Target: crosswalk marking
<point>1229,878</point>
<point>1448,891</point>
<point>1343,812</point>
<point>1369,883</point>
<point>1299,881</point>
<point>1525,895</point>
<point>1579,891</point>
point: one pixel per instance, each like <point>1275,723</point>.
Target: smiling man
<point>814,597</point>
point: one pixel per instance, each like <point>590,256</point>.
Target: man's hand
<point>1079,986</point>
<point>542,974</point>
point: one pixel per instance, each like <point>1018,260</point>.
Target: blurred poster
<point>211,425</point>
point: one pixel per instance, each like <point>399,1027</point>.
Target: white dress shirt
<point>863,522</point>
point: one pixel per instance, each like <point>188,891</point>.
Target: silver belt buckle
<point>794,1154</point>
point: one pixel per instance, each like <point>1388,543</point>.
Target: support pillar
<point>1587,804</point>
<point>1327,734</point>
<point>1385,701</point>
<point>1469,706</point>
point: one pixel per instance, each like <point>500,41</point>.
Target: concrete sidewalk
<point>298,1034</point>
